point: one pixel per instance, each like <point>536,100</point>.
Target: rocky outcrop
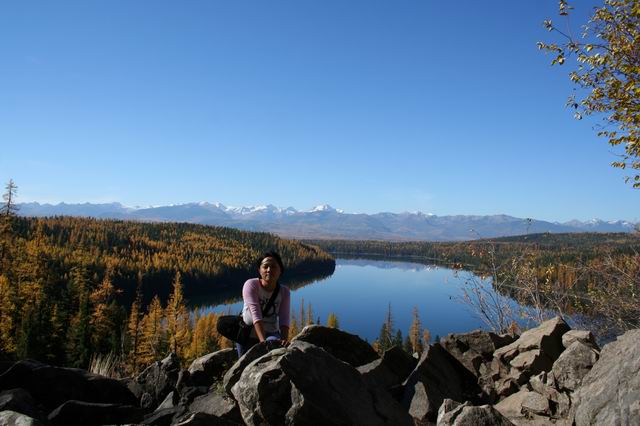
<point>610,392</point>
<point>437,376</point>
<point>210,368</point>
<point>305,384</point>
<point>52,386</point>
<point>159,379</point>
<point>342,345</point>
<point>13,418</point>
<point>90,413</point>
<point>549,375</point>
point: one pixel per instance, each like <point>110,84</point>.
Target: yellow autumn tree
<point>102,321</point>
<point>332,321</point>
<point>7,316</point>
<point>153,338</point>
<point>177,317</point>
<point>294,328</point>
<point>134,329</point>
<point>416,334</point>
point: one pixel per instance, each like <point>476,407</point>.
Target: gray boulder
<point>20,401</point>
<point>452,413</point>
<point>203,419</point>
<point>216,405</point>
<point>232,375</point>
<point>159,379</point>
<point>52,386</point>
<point>610,392</point>
<point>534,351</point>
<point>211,367</point>
<point>88,414</point>
<point>390,370</point>
<point>584,336</point>
<point>437,376</point>
<point>574,363</point>
<point>342,345</point>
<point>304,384</point>
<point>522,404</point>
<point>12,418</point>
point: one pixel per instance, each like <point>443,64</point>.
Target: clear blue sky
<point>441,107</point>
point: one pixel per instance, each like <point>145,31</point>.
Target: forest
<point>593,276</point>
<point>71,287</point>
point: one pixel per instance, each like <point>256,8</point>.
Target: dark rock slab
<point>342,345</point>
<point>217,405</point>
<point>474,348</point>
<point>89,414</point>
<point>160,378</point>
<point>390,370</point>
<point>164,417</point>
<point>203,419</point>
<point>12,418</point>
<point>52,386</point>
<point>304,384</point>
<point>20,401</point>
<point>232,375</point>
<point>437,376</point>
<point>610,392</point>
<point>211,367</point>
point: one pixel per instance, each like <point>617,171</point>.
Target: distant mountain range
<point>326,222</point>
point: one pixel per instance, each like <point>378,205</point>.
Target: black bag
<point>234,328</point>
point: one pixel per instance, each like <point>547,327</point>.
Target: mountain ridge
<point>324,221</point>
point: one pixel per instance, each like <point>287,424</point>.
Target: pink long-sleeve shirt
<point>255,298</point>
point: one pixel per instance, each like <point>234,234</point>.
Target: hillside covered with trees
<point>73,286</point>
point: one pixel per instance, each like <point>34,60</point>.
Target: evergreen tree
<point>104,322</point>
<point>153,341</point>
<point>8,316</point>
<point>134,327</point>
<point>332,321</point>
<point>79,332</point>
<point>415,333</point>
<point>177,318</point>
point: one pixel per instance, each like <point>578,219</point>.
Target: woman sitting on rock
<point>270,318</point>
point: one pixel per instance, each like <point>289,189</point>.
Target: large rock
<point>610,392</point>
<point>342,345</point>
<point>217,405</point>
<point>304,384</point>
<point>211,367</point>
<point>582,335</point>
<point>232,375</point>
<point>52,386</point>
<point>390,370</point>
<point>20,401</point>
<point>452,413</point>
<point>88,414</point>
<point>203,419</point>
<point>12,418</point>
<point>437,376</point>
<point>159,379</point>
<point>547,338</point>
<point>523,403</point>
<point>574,363</point>
<point>535,351</point>
<point>475,348</point>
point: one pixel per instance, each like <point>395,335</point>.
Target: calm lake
<point>360,291</point>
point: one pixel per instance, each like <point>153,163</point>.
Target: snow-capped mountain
<point>324,221</point>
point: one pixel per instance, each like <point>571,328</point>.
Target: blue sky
<point>445,108</point>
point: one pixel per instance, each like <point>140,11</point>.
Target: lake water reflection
<point>360,291</point>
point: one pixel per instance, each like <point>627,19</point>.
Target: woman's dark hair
<point>273,255</point>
